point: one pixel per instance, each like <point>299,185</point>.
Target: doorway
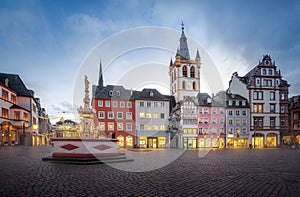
<point>152,142</point>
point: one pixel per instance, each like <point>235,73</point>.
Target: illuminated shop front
<point>237,143</point>
<point>129,141</point>
<point>258,140</point>
<point>298,139</point>
<point>143,142</point>
<point>211,142</point>
<point>189,142</point>
<point>120,141</point>
<point>271,140</point>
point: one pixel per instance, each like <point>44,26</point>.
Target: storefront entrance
<point>189,142</point>
<point>152,142</point>
<point>258,140</point>
<point>271,140</point>
<point>237,143</point>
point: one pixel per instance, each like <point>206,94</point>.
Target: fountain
<point>90,147</point>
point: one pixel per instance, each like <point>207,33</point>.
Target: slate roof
<point>14,106</point>
<point>236,97</point>
<point>15,83</point>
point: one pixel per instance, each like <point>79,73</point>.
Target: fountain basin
<point>84,147</point>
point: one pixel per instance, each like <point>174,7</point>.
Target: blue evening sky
<point>46,41</point>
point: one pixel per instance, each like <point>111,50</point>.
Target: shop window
<point>120,141</point>
<point>129,141</point>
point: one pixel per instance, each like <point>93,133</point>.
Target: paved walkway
<point>244,172</point>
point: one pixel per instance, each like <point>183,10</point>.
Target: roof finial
<point>182,27</point>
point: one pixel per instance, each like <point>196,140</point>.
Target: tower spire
<point>100,80</point>
<point>183,46</point>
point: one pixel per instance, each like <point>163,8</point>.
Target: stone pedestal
<point>84,147</point>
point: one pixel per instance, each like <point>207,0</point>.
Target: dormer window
<point>110,93</point>
<point>151,94</point>
<point>118,93</point>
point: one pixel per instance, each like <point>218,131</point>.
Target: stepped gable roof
<point>15,83</point>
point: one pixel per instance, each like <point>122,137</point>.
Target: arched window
<point>192,72</point>
<point>172,79</point>
<point>183,85</point>
<point>194,85</point>
<point>184,71</point>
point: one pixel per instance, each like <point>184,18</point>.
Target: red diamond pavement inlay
<point>69,147</point>
<point>102,147</point>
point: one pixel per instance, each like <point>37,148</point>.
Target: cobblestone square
<point>226,172</point>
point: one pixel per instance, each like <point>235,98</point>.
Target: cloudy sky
<point>46,42</point>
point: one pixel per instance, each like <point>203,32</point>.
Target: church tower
<point>184,72</point>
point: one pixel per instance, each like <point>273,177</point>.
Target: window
<point>205,110</point>
<point>110,93</point>
<point>205,120</point>
<point>101,115</point>
<point>155,127</point>
<point>142,127</point>
<point>200,120</point>
<point>184,71</point>
<point>272,108</point>
<point>200,110</point>
<point>162,127</point>
<point>129,105</point>
<point>272,122</point>
<point>267,83</point>
<point>34,108</point>
<point>237,131</point>
<point>257,81</point>
<point>148,127</point>
<point>282,96</point>
<point>107,103</point>
<point>272,96</point>
<point>238,122</point>
<point>110,115</point>
<point>214,131</point>
<point>13,99</point>
<point>148,115</point>
<point>258,121</point>
<point>162,104</point>
<point>200,131</point>
<point>258,108</point>
<point>237,112</point>
<point>148,104</point>
<point>244,130</point>
<point>100,103</point>
<point>155,115</point>
<point>128,115</point>
<point>162,115</point>
<point>17,115</point>
<point>110,126</point>
<point>142,115</point>
<point>230,112</point>
<point>244,122</point>
<point>194,85</point>
<point>222,121</point>
<point>183,85</point>
<point>128,127</point>
<point>264,71</point>
<point>115,104</point>
<point>230,131</point>
<point>25,116</point>
<point>118,93</point>
<point>258,95</point>
<point>120,115</point>
<point>270,72</point>
<point>230,122</point>
<point>214,121</point>
<point>155,104</point>
<point>122,104</point>
<point>141,103</point>
<point>119,126</point>
<point>282,109</point>
<point>4,113</point>
<point>221,111</point>
<point>192,72</point>
<point>282,122</point>
<point>244,112</point>
<point>214,110</point>
<point>4,95</point>
<point>101,126</point>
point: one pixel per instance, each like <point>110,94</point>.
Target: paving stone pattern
<point>246,172</point>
